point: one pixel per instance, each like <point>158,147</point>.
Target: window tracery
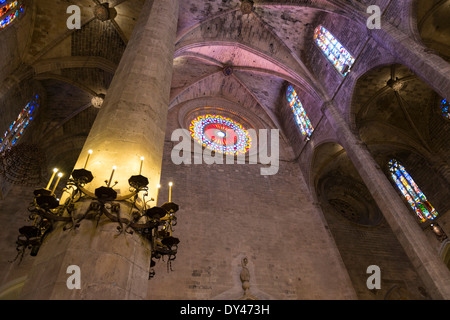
<point>220,134</point>
<point>10,12</point>
<point>17,128</point>
<point>299,112</point>
<point>411,191</point>
<point>335,52</point>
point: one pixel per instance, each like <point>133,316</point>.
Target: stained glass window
<point>7,7</point>
<point>299,112</point>
<point>445,107</point>
<point>411,191</point>
<point>220,134</point>
<point>10,12</point>
<point>17,128</point>
<point>333,50</point>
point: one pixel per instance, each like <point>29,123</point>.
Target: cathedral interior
<point>362,170</point>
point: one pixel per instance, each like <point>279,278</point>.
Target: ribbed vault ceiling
<point>265,49</point>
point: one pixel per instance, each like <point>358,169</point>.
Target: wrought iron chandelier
<point>153,223</point>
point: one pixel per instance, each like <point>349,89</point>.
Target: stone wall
<point>228,212</point>
<point>13,215</point>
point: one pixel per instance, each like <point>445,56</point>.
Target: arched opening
<point>361,234</point>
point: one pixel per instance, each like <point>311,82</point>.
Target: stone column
<point>435,275</point>
<point>130,125</point>
<point>132,120</point>
<point>431,68</point>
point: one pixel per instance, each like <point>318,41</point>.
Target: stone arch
<point>393,113</point>
<point>355,221</point>
<point>444,252</point>
<point>432,25</point>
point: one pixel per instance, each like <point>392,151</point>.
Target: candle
<point>57,181</point>
<point>157,193</point>
<point>170,191</point>
<point>89,154</point>
<point>51,179</point>
<point>112,174</point>
<point>142,162</point>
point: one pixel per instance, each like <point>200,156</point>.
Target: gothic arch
<point>432,25</point>
<point>444,252</point>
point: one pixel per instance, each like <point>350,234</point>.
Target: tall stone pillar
<point>132,120</point>
<point>131,124</point>
<point>434,273</point>
<point>431,68</point>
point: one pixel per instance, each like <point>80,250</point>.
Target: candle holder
<point>153,223</point>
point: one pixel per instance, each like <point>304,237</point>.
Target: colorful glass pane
<point>411,191</point>
<point>17,128</point>
<point>7,7</point>
<point>299,112</point>
<point>11,15</point>
<point>445,107</point>
<point>341,59</point>
<point>220,134</point>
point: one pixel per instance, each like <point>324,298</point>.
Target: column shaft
<point>132,121</point>
<point>130,125</point>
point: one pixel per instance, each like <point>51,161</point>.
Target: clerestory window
<point>335,52</point>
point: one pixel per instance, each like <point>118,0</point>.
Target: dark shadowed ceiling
<point>266,48</point>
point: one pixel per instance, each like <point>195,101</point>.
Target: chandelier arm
<point>86,192</point>
<point>126,221</point>
<point>51,216</point>
<point>122,198</point>
<point>127,196</point>
<point>112,217</point>
<point>148,225</point>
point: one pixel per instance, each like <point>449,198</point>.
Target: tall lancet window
<point>411,191</point>
<point>300,115</point>
<point>17,128</point>
<point>445,108</point>
<point>333,50</point>
<point>9,11</point>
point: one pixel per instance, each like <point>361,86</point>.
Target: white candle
<point>51,179</point>
<point>89,154</point>
<point>170,191</point>
<point>112,174</point>
<point>57,181</point>
<point>142,162</point>
<point>157,193</point>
